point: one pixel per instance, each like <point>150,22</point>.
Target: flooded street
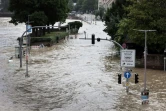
<point>73,75</point>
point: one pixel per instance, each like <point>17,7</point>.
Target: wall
<point>154,61</point>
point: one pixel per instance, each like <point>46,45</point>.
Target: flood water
<point>73,75</point>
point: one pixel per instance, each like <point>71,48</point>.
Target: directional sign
<point>128,58</point>
<point>127,75</point>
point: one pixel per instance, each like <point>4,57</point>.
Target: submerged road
<point>73,75</point>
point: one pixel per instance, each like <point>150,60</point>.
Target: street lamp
<point>145,53</point>
<point>21,43</point>
<point>27,49</point>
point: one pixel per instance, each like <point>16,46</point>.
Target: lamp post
<point>145,53</point>
<point>21,43</point>
<point>27,47</point>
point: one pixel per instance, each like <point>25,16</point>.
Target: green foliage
<point>86,5</point>
<point>126,17</point>
<point>75,1</point>
<point>113,17</point>
<point>54,36</point>
<point>52,10</point>
<point>75,24</point>
<point>79,5</point>
<point>70,5</point>
<point>146,15</point>
<point>100,12</point>
<point>49,39</point>
<point>39,18</point>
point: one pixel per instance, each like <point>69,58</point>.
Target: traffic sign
<point>145,96</point>
<point>127,75</point>
<point>127,58</point>
<point>29,28</point>
<point>124,45</point>
<point>127,84</point>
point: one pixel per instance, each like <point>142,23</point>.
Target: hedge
<point>49,39</point>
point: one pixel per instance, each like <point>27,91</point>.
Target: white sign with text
<point>127,58</point>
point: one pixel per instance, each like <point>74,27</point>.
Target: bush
<point>75,24</point>
<point>49,39</point>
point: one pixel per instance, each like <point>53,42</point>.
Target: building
<point>105,3</point>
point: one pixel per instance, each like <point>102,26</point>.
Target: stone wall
<point>154,61</point>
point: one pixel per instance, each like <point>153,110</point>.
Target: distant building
<point>105,3</point>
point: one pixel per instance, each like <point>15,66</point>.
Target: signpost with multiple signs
<point>127,58</point>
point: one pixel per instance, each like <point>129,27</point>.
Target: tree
<point>4,5</point>
<point>113,17</point>
<point>86,5</point>
<point>79,5</point>
<point>54,10</point>
<point>146,15</point>
<point>100,12</point>
<point>89,5</point>
<point>75,1</point>
<point>70,5</point>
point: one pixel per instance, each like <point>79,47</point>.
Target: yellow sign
<point>127,83</point>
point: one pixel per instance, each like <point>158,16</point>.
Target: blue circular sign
<point>127,75</point>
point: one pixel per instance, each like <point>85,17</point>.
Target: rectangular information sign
<point>127,58</point>
<point>29,27</point>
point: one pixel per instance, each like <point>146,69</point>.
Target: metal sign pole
<point>145,92</point>
<point>127,87</point>
<point>127,81</point>
<point>164,63</point>
<point>145,55</point>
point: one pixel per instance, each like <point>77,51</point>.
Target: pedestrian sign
<point>127,75</point>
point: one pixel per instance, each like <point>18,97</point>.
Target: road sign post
<point>127,75</point>
<point>145,54</point>
<point>127,60</point>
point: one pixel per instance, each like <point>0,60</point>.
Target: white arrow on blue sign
<point>127,75</point>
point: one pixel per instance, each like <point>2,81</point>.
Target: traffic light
<point>119,78</point>
<point>136,78</point>
<point>98,39</point>
<point>93,38</point>
<point>24,52</point>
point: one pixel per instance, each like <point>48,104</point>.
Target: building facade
<point>105,3</point>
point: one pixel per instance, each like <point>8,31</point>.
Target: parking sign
<point>127,58</point>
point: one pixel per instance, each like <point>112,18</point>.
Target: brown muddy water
<point>74,75</point>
